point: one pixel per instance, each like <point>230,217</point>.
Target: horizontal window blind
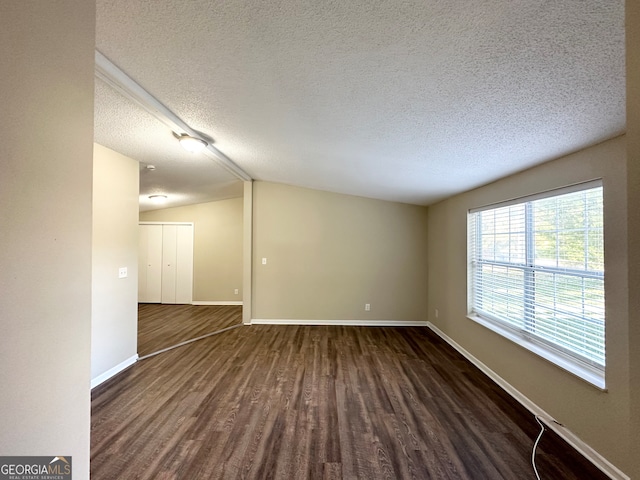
<point>538,268</point>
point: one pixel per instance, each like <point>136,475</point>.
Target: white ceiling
<point>403,100</point>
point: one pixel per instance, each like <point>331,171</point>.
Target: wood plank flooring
<point>161,326</point>
<point>291,402</point>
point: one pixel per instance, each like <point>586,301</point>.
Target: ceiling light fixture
<point>108,72</point>
<point>158,198</point>
<point>192,144</point>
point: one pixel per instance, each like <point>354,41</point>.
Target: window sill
<point>584,372</point>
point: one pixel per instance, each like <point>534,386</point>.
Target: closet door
<point>184,262</point>
<point>165,263</point>
<point>169,259</point>
<point>150,264</point>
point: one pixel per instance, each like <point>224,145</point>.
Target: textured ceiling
<point>409,101</point>
<point>184,177</point>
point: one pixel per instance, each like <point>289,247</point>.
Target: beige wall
<point>599,418</point>
<point>46,94</point>
<point>329,254</point>
<point>114,309</point>
<point>217,255</point>
<point>633,165</point>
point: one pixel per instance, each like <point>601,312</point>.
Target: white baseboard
<point>571,438</point>
<point>349,323</point>
<point>221,302</point>
<point>113,371</point>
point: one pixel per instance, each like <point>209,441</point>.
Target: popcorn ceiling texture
<point>409,101</point>
<point>123,126</point>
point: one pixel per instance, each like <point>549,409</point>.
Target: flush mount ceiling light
<point>158,198</point>
<point>191,144</point>
<point>108,72</point>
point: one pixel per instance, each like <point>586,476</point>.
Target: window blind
<point>537,267</point>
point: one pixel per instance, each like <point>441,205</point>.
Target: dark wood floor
<point>161,326</point>
<point>292,402</point>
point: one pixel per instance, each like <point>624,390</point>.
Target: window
<point>537,275</point>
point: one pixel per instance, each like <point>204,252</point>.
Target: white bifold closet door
<point>150,264</point>
<point>167,251</point>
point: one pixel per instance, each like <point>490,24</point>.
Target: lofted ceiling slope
<point>403,100</point>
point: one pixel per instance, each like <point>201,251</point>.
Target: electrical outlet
<point>437,313</point>
<point>264,260</point>
<point>235,292</point>
<point>122,272</point>
<point>367,307</point>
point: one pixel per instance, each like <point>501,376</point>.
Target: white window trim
<point>590,374</point>
<point>593,376</point>
<point>539,196</point>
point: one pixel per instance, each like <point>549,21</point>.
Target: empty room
<point>320,240</point>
